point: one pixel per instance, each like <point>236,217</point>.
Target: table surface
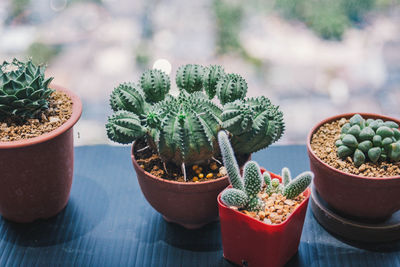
<point>109,223</point>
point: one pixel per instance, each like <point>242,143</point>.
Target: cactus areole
<point>183,129</point>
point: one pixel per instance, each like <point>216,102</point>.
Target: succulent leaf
<point>358,158</point>
<point>374,154</point>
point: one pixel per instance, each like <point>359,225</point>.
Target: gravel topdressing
<point>323,145</point>
<point>60,110</point>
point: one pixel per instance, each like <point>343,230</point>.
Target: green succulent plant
<point>183,129</point>
<point>24,90</point>
<point>374,140</point>
<point>245,191</point>
<point>254,123</point>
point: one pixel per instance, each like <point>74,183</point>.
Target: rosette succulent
<point>245,191</point>
<point>373,140</point>
<point>183,129</point>
<point>24,90</point>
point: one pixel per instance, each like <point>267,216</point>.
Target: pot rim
<point>186,184</point>
<point>76,114</point>
<point>347,115</point>
<point>307,191</point>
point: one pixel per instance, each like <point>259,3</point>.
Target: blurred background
<point>314,58</point>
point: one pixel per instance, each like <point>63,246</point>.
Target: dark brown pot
<point>36,174</point>
<point>353,195</point>
<point>191,205</point>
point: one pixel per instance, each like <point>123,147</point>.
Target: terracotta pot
<point>36,173</point>
<point>353,195</point>
<point>191,205</point>
<point>249,242</point>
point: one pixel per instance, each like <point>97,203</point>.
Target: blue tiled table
<point>109,223</point>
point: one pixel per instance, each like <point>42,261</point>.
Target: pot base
<point>385,231</point>
<point>190,226</point>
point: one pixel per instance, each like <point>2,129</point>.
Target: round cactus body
<point>24,90</point>
<point>230,88</point>
<point>211,76</point>
<point>155,85</point>
<point>129,97</point>
<point>234,197</point>
<point>190,78</point>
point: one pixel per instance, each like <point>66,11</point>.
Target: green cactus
<point>254,122</point>
<point>370,139</point>
<point>24,90</point>
<point>245,192</point>
<point>190,78</point>
<point>289,187</point>
<point>183,129</point>
<point>155,85</point>
<point>230,88</point>
<point>211,76</point>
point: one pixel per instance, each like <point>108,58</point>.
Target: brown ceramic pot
<point>36,174</point>
<point>191,205</point>
<point>353,195</point>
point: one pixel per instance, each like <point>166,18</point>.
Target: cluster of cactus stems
<point>374,140</point>
<point>245,190</point>
<point>183,129</point>
<point>24,90</point>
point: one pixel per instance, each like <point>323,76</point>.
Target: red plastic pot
<point>246,240</point>
<point>36,174</point>
<point>354,195</point>
<point>191,205</point>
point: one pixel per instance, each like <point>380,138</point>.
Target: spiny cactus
<point>369,139</point>
<point>255,123</point>
<point>244,193</point>
<point>190,78</point>
<point>24,90</point>
<point>230,88</point>
<point>183,129</point>
<point>155,84</point>
<point>211,76</point>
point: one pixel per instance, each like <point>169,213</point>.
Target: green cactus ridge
<point>261,125</point>
<point>190,78</point>
<point>231,87</point>
<point>373,140</point>
<point>211,76</point>
<point>155,85</point>
<point>124,127</point>
<point>252,179</point>
<point>24,90</point>
<point>129,97</point>
<point>234,197</point>
<point>229,160</point>
<point>298,185</point>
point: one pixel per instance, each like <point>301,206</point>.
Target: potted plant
<point>36,142</point>
<point>175,152</point>
<point>355,158</point>
<point>261,214</point>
